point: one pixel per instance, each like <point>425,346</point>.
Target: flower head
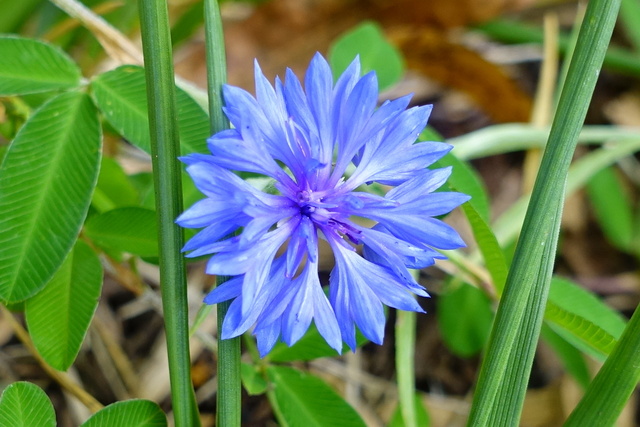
<point>321,146</point>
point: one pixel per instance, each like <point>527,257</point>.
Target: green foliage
<point>376,54</point>
<point>130,413</point>
<point>612,207</point>
<point>488,244</point>
<point>466,180</point>
<point>74,290</point>
<point>582,319</point>
<point>121,96</point>
<point>114,188</point>
<point>23,404</point>
<point>464,319</point>
<point>13,17</point>
<point>30,66</point>
<point>129,229</point>
<point>311,346</point>
<point>45,191</point>
<point>305,400</point>
<point>252,379</point>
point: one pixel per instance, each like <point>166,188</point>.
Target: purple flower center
<point>310,205</point>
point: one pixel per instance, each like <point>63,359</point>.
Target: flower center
<point>306,202</point>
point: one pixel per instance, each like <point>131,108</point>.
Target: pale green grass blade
<point>46,181</point>
<point>58,316</point>
<point>505,370</point>
<point>25,405</point>
<point>129,413</point>
<point>31,66</point>
<point>405,365</point>
<point>499,139</point>
<point>507,226</point>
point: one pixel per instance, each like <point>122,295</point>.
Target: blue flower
<point>322,147</point>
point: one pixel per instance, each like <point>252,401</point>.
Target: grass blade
<point>519,315</point>
<point>165,148</point>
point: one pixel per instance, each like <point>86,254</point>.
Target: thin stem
<point>165,148</point>
<point>229,384</point>
<point>405,353</point>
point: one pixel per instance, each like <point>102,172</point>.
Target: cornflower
<point>322,147</point>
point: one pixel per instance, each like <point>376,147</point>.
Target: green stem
<point>216,65</point>
<point>229,381</point>
<point>167,180</point>
<point>405,353</point>
<point>613,385</point>
<point>530,275</point>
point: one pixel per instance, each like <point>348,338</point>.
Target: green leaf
<point>376,54</point>
<point>423,419</point>
<point>464,319</point>
<point>114,189</point>
<point>58,316</point>
<point>12,18</point>
<point>129,229</point>
<point>612,207</point>
<point>130,413</point>
<point>121,96</point>
<point>582,319</point>
<point>30,66</point>
<point>466,180</point>
<point>307,401</point>
<point>143,183</point>
<point>46,181</point>
<point>311,346</point>
<point>491,251</point>
<point>24,404</point>
<point>252,379</point>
